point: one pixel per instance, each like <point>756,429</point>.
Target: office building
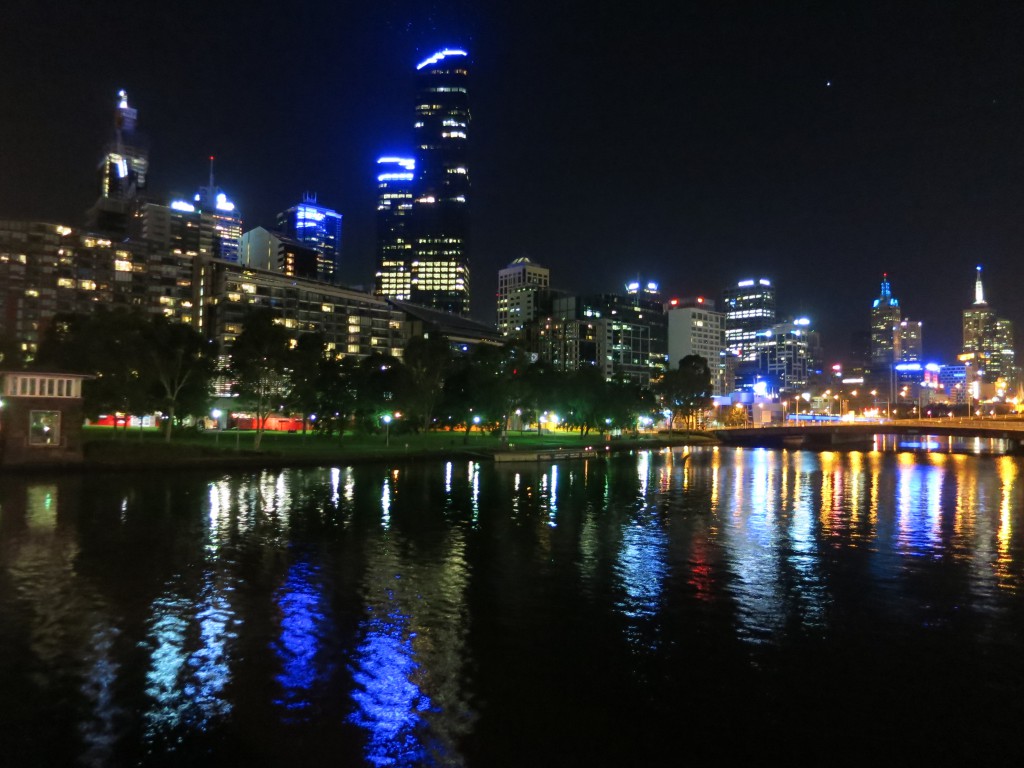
<point>786,356</point>
<point>122,174</point>
<point>622,335</point>
<point>435,273</point>
<point>272,251</point>
<point>523,295</point>
<point>441,131</point>
<point>318,228</point>
<point>176,227</point>
<point>395,239</point>
<point>749,310</point>
<point>695,328</point>
<point>223,216</point>
<point>909,341</point>
<point>885,320</point>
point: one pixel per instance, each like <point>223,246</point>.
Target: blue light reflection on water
<point>389,703</point>
<point>303,625</point>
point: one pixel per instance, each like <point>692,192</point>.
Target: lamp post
<point>216,413</point>
<point>387,429</point>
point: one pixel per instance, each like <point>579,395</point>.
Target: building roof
<point>447,323</point>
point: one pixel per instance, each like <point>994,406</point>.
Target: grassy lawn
<point>147,445</point>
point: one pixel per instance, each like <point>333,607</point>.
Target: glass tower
<point>320,229</point>
<point>394,227</point>
<point>439,274</point>
<point>749,311</point>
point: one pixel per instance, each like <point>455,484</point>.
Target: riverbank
<point>105,450</point>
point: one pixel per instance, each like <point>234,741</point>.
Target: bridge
<point>861,434</point>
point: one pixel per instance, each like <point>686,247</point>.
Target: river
<point>637,610</point>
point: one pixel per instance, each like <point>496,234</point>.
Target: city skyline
<point>824,147</point>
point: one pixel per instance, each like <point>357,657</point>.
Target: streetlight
<point>387,429</point>
<point>216,413</point>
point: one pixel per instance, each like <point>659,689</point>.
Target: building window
<point>44,428</point>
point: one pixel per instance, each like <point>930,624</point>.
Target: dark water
<point>816,608</point>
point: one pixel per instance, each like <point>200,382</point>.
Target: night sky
<point>691,143</point>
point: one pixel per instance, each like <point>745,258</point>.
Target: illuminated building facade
<point>885,321</point>
<point>224,218</point>
<point>47,268</point>
<point>909,341</point>
<point>176,227</point>
<point>695,328</point>
<point>988,340</point>
<point>395,239</point>
<point>262,249</point>
<point>749,310</point>
<point>440,267</point>
<point>122,174</point>
<point>786,355</point>
<point>351,322</point>
<point>522,293</point>
<point>318,228</point>
<point>624,336</point>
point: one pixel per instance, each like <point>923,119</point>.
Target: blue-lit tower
<point>318,228</point>
<point>220,215</point>
<point>395,239</point>
<point>885,321</point>
<point>440,269</point>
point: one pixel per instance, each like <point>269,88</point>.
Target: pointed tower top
<point>979,291</point>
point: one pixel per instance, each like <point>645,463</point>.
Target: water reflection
<point>406,616</point>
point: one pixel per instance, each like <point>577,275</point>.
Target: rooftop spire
<point>979,292</point>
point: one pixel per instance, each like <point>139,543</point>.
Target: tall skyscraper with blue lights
<point>885,321</point>
<point>395,239</point>
<point>320,229</point>
<point>436,267</point>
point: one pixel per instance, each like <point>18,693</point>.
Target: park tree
<point>178,366</point>
<point>624,402</point>
<point>584,398</point>
<point>427,360</point>
<point>306,375</point>
<point>337,393</point>
<point>382,386</point>
<point>686,390</point>
<point>260,364</point>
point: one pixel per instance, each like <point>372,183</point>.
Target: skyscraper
<point>225,217</point>
<point>522,286</point>
<point>909,340</point>
<point>318,228</point>
<point>885,321</point>
<point>395,239</point>
<point>122,174</point>
<point>695,328</point>
<point>749,309</point>
<point>440,274</point>
<point>988,340</point>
